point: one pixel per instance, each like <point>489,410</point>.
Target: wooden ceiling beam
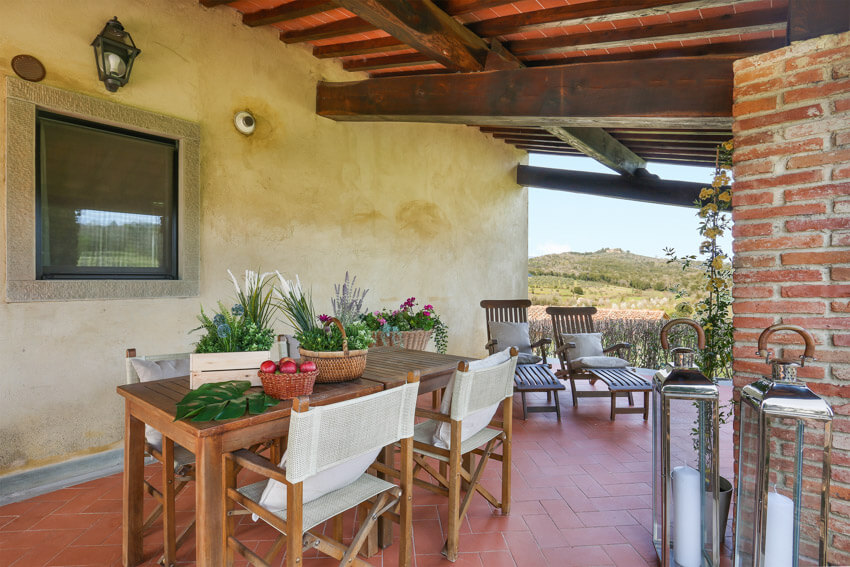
<point>423,26</point>
<point>214,3</point>
<point>587,13</point>
<point>647,189</point>
<point>746,22</point>
<point>641,131</point>
<point>813,18</point>
<point>460,7</point>
<point>688,94</point>
<point>338,28</point>
<point>289,11</point>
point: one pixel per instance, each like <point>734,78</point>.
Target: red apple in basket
<point>288,367</point>
<point>268,367</point>
<point>284,359</point>
<point>308,366</point>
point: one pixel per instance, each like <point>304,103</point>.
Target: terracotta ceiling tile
<point>626,23</point>
<point>652,20</point>
<point>716,11</point>
<point>594,26</point>
<point>506,10</point>
<point>668,45</point>
<point>752,6</point>
<point>693,42</point>
<point>684,16</point>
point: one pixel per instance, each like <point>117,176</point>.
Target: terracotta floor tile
<point>581,496</point>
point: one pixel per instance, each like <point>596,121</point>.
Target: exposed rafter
<point>289,11</point>
<point>648,189</point>
<point>601,146</point>
<point>675,93</point>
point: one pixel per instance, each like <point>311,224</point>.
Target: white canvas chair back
<point>133,376</point>
<point>479,389</point>
<point>325,436</point>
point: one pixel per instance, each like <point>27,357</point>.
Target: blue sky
<point>559,221</point>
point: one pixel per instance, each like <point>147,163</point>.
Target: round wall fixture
<point>245,122</point>
<point>28,68</point>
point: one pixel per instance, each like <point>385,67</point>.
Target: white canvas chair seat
<point>323,438</point>
<point>331,504</point>
<point>424,433</point>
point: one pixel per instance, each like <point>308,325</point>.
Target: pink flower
<point>377,313</point>
<point>426,313</point>
<point>382,321</point>
<point>395,312</point>
<point>429,307</point>
<point>324,318</point>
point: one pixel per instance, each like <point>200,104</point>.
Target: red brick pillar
<point>792,228</point>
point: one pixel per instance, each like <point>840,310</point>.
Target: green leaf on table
<point>222,400</point>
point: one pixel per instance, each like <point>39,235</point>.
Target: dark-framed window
<point>106,201</point>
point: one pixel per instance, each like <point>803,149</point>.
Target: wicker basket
<point>413,340</point>
<point>287,386</point>
<point>337,366</point>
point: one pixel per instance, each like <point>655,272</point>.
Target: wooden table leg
<point>134,476</point>
<point>209,502</point>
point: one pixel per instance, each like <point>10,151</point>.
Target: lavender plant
<point>348,301</point>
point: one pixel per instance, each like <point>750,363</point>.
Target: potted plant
<point>236,340</point>
<point>407,326</point>
<point>339,351</point>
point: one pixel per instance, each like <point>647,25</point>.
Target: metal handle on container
<point>682,321</point>
<point>809,353</point>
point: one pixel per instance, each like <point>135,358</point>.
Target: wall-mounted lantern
<point>114,52</point>
<point>685,471</point>
<point>784,466</point>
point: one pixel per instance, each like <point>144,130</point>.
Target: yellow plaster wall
<point>431,211</point>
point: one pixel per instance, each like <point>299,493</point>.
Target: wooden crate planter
<point>222,366</point>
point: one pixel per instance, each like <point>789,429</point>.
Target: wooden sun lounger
<point>624,381</point>
<point>537,378</point>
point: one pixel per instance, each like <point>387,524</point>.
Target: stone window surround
<point>22,100</point>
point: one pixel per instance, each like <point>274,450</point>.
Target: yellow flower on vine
<point>713,233</point>
<point>717,183</point>
<point>706,193</point>
<point>706,210</point>
<point>717,263</point>
<point>719,283</point>
<point>727,145</point>
<point>726,196</point>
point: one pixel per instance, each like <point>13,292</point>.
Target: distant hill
<point>612,278</point>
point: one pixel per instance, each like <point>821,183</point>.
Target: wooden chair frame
<point>395,504</point>
<point>510,311</point>
<point>173,483</point>
<point>458,471</point>
<point>573,320</point>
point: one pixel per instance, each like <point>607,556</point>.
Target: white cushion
<point>526,358</point>
<point>150,370</point>
<point>587,344</point>
<point>599,362</point>
<point>321,483</point>
<point>477,420</point>
<point>509,335</point>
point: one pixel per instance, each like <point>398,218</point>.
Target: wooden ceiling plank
<point>747,22</point>
<point>386,62</point>
<point>687,94</point>
<point>601,146</point>
<point>285,12</point>
<point>646,189</point>
<point>361,47</point>
<point>214,3</point>
<point>739,49</point>
<point>460,7</point>
<point>641,131</point>
<point>588,13</point>
<point>338,28</point>
<point>808,19</point>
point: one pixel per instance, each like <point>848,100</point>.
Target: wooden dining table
<point>155,403</point>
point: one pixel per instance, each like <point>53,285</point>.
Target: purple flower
<point>324,318</point>
<point>429,307</point>
<point>377,313</point>
<point>395,312</point>
<point>426,313</point>
<point>382,321</point>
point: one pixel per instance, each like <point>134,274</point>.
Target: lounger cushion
<point>321,483</point>
<point>477,420</point>
<point>587,344</point>
<point>509,335</point>
<point>526,358</point>
<point>599,362</point>
<point>150,370</point>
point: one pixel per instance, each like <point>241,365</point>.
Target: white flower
<point>235,283</point>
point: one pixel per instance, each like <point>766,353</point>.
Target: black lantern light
<point>114,52</point>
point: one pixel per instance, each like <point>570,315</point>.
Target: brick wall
<point>792,229</point>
